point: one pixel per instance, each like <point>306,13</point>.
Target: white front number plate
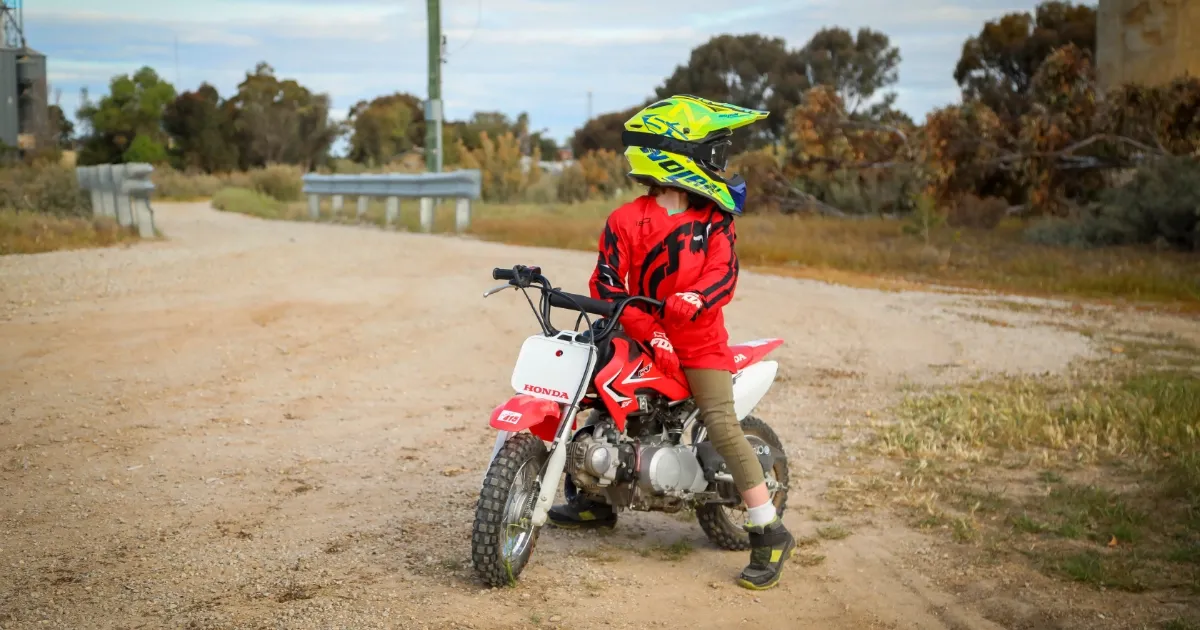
<point>551,369</point>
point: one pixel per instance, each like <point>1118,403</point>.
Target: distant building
<point>1146,41</point>
<point>24,106</point>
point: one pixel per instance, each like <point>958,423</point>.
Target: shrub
<point>571,186</point>
<point>49,189</point>
<point>499,161</point>
<point>279,181</point>
<point>188,186</point>
<point>251,202</point>
<point>1161,205</point>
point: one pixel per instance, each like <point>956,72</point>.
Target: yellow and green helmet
<point>683,141</point>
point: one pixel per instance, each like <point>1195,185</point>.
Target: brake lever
<point>494,291</point>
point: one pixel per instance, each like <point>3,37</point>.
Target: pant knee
<point>713,391</point>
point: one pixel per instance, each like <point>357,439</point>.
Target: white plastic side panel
<point>551,369</point>
<point>750,385</point>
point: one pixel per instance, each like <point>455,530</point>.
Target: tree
<point>603,132</point>
<point>998,64</point>
<point>61,128</point>
<point>202,131</point>
<point>857,67</point>
<point>1063,113</point>
<point>133,107</point>
<point>746,70</point>
<point>494,124</point>
<point>281,121</point>
<point>544,145</point>
<point>385,128</point>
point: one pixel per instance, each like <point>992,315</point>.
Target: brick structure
<point>1146,41</point>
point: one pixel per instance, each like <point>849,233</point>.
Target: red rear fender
<point>751,352</point>
<point>522,412</point>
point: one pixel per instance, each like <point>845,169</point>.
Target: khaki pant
<point>713,391</point>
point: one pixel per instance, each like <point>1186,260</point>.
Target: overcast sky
<point>539,56</point>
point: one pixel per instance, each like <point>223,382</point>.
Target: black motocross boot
<point>579,512</point>
<point>770,546</point>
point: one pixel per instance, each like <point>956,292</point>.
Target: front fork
<point>548,484</point>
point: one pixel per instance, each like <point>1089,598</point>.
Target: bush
<point>1161,205</point>
<point>251,202</point>
<point>499,161</point>
<point>189,186</point>
<point>49,189</point>
<point>279,181</point>
<point>600,174</point>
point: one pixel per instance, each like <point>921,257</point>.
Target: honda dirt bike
<point>641,447</point>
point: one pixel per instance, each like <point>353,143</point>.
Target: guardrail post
<point>337,204</point>
<point>462,214</point>
<point>104,183</point>
<point>393,210</point>
<point>314,207</point>
<point>426,214</point>
<point>362,206</point>
<point>120,198</point>
<point>145,218</point>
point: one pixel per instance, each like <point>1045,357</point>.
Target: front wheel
<point>503,536</point>
<point>723,523</point>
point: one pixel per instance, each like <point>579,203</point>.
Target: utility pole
<point>589,112</point>
<point>433,107</point>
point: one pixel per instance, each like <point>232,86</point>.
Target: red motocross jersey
<point>645,251</point>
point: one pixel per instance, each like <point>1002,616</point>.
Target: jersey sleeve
<point>611,274</point>
<point>718,277</point>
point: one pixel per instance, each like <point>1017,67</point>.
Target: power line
<point>478,18</point>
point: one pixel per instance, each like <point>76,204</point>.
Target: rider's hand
<point>682,307</point>
<point>665,358</point>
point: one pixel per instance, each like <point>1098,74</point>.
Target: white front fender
<point>750,385</point>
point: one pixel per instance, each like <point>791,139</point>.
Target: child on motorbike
<point>675,243</point>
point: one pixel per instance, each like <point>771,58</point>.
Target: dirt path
<point>259,424</point>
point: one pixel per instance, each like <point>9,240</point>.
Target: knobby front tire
<point>502,539</point>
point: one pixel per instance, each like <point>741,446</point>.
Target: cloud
<point>537,56</point>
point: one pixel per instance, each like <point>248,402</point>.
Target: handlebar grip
<point>503,274</point>
<point>602,308</point>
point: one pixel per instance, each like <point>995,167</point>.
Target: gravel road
<point>260,424</point>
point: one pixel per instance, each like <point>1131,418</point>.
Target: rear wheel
<point>723,523</point>
<point>503,536</point>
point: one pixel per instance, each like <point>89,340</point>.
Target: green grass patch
<point>1116,503</point>
<point>833,532</point>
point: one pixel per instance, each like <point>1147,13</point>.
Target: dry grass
<point>878,253</point>
<point>173,185</point>
<point>875,253</point>
<point>34,232</point>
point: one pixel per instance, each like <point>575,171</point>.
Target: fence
<point>462,186</point>
<point>121,191</point>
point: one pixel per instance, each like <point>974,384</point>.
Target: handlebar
<point>522,276</point>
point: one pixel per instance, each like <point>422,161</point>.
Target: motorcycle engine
<point>601,462</point>
<point>670,470</point>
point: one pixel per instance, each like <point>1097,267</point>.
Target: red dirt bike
<point>641,447</point>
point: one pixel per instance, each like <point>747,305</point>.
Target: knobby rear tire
<point>713,519</point>
<point>488,531</point>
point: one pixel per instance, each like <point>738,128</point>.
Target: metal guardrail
<point>462,186</point>
<point>121,191</point>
